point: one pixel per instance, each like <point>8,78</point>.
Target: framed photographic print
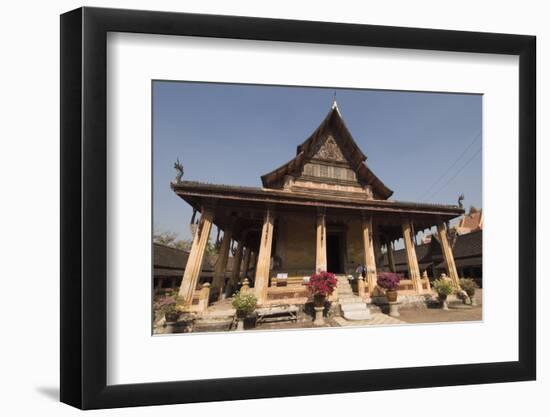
<point>292,208</point>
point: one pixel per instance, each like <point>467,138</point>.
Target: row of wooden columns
<point>371,246</point>
<point>242,258</point>
<point>263,261</point>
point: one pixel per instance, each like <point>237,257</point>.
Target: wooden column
<point>321,251</point>
<point>253,262</point>
<point>377,244</point>
<point>448,254</point>
<point>261,281</point>
<point>237,260</point>
<point>246,261</point>
<point>221,263</point>
<point>391,258</point>
<point>196,256</point>
<point>412,261</point>
<point>368,250</point>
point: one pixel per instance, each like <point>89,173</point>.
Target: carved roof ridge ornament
<point>335,104</point>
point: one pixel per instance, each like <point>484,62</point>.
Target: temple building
<point>323,210</point>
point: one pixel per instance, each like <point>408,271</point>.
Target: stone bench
<point>277,313</point>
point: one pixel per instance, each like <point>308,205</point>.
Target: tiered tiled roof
<point>333,124</point>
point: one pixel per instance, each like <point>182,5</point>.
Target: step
<point>357,315</point>
<point>348,297</point>
<point>355,300</point>
<point>353,307</point>
<point>340,296</point>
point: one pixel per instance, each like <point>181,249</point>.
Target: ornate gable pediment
<point>326,163</point>
<point>328,150</point>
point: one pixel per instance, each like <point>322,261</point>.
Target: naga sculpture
<point>179,171</point>
<point>460,200</point>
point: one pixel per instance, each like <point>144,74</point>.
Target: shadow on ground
<point>50,392</point>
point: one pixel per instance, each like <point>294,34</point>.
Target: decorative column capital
<point>209,206</point>
<point>269,213</point>
<point>366,220</point>
<point>321,212</point>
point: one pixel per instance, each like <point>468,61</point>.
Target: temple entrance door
<point>335,258</point>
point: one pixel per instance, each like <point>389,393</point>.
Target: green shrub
<point>168,304</point>
<point>468,285</point>
<point>443,286</point>
<point>244,302</point>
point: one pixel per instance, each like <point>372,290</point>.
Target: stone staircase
<point>353,307</point>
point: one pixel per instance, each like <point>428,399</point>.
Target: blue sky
<point>425,146</point>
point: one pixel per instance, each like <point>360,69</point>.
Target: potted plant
<point>169,308</point>
<point>171,313</point>
<point>244,303</point>
<point>443,288</point>
<point>390,282</point>
<point>469,286</point>
<point>321,285</point>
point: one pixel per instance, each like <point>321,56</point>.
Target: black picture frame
<point>84,207</point>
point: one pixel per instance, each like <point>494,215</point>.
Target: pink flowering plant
<point>388,280</point>
<point>322,283</point>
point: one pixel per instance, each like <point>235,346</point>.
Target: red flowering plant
<point>322,284</point>
<point>388,280</point>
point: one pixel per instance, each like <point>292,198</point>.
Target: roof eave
<point>191,188</point>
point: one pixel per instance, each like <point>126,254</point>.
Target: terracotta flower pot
<point>241,314</point>
<point>443,301</point>
<point>391,295</point>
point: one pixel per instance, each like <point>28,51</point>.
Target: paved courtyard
<point>219,316</point>
<point>408,315</point>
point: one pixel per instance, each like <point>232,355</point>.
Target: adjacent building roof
<point>170,261</point>
<point>467,251</point>
<point>470,223</point>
